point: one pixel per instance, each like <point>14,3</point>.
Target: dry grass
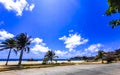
<point>38,65</point>
<point>31,66</point>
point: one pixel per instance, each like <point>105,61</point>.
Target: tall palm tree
<point>23,42</point>
<point>8,44</point>
<point>50,55</point>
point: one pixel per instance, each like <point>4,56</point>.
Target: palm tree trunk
<point>102,61</point>
<point>8,57</point>
<point>51,60</point>
<point>20,59</point>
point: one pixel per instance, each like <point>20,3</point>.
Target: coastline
<point>35,62</point>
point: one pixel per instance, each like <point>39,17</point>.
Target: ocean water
<point>27,59</point>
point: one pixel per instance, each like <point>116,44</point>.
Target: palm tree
<point>100,55</point>
<point>23,42</point>
<point>85,58</point>
<point>50,55</point>
<point>8,44</point>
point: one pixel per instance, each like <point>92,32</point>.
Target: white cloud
<point>93,48</point>
<point>60,53</point>
<point>5,35</point>
<point>69,54</point>
<point>31,7</point>
<point>90,51</point>
<point>73,41</point>
<point>39,46</point>
<point>17,6</point>
<point>38,41</point>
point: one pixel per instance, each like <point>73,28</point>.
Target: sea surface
<point>27,59</point>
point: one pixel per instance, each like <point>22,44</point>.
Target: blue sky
<point>68,27</point>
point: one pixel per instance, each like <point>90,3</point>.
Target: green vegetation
<point>109,56</point>
<point>100,55</point>
<point>31,66</point>
<point>22,43</point>
<point>85,58</point>
<point>50,55</point>
<point>8,44</point>
<point>19,43</point>
<point>114,7</point>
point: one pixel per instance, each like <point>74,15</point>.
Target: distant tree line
<point>102,56</point>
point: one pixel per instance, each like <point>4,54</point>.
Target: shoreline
<point>35,62</point>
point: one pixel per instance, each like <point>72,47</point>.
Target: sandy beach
<point>93,69</point>
<point>35,62</point>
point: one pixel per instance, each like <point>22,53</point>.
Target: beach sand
<point>16,62</point>
<point>36,62</point>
